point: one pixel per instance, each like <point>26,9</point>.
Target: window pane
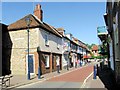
<point>46,40</point>
<point>46,61</point>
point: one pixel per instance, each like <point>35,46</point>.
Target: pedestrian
<point>83,62</point>
<point>78,62</point>
<point>58,64</point>
<point>67,65</point>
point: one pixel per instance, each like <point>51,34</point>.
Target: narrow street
<point>73,79</point>
<point>60,44</point>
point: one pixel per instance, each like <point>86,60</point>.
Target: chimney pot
<point>38,12</point>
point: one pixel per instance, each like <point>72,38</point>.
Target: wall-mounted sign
<point>102,30</point>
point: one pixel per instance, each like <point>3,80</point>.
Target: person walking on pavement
<point>58,64</point>
<point>67,65</point>
<point>78,62</point>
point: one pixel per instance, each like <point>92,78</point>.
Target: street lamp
<point>28,22</point>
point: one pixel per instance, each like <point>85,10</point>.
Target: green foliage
<point>99,57</point>
<point>102,48</point>
<point>90,46</point>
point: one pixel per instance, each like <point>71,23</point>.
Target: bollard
<point>67,67</point>
<point>80,64</point>
<point>28,74</point>
<point>97,70</point>
<point>38,72</point>
<point>94,75</point>
<point>101,66</point>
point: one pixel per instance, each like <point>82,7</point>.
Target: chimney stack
<point>38,12</point>
<point>61,31</point>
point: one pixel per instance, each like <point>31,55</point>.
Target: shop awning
<point>86,56</point>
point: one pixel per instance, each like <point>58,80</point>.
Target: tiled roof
<point>60,29</point>
<point>75,39</point>
<point>52,29</point>
<point>95,47</point>
<point>21,24</point>
<point>35,22</point>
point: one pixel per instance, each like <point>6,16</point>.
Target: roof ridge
<point>52,29</point>
<point>37,18</point>
<point>55,30</point>
<point>46,23</point>
<point>15,25</point>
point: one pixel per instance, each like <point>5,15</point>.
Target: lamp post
<point>38,49</point>
<point>28,21</point>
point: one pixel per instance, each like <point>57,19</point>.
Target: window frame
<point>47,61</point>
<point>46,40</point>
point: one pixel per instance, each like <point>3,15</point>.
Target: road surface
<point>72,79</point>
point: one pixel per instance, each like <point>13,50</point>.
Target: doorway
<point>31,64</point>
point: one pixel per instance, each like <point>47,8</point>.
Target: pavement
<point>93,83</point>
<point>88,82</point>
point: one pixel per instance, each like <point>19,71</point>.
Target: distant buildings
<point>95,50</point>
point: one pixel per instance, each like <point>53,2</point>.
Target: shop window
<point>47,61</point>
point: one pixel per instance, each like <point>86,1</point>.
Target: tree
<point>90,46</point>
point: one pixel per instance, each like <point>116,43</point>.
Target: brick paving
<point>19,80</point>
<point>73,75</point>
<point>78,75</point>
